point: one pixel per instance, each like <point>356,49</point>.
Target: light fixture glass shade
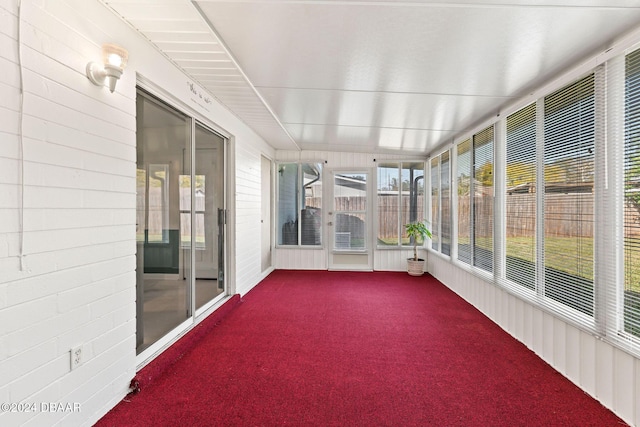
<point>115,55</point>
<point>115,59</point>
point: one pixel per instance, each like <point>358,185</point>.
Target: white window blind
<point>482,191</point>
<point>571,208</point>
<point>569,135</point>
<point>445,204</point>
<point>435,203</point>
<point>441,203</point>
<point>463,178</point>
<point>631,317</point>
<point>520,199</point>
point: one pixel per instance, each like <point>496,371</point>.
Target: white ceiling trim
<point>183,35</point>
<point>242,73</point>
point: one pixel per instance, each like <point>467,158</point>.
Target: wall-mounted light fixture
<point>115,59</point>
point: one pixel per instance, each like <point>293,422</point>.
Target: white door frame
<point>266,208</point>
<point>346,259</point>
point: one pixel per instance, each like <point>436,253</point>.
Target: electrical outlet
<point>76,357</point>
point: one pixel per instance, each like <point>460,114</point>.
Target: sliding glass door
<point>209,215</point>
<point>180,182</point>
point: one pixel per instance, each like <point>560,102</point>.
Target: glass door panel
<point>163,268</point>
<point>350,208</point>
<point>349,222</point>
<point>209,215</point>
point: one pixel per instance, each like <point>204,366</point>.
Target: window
<point>482,190</point>
<point>435,203</point>
<point>569,135</point>
<point>631,318</point>
<point>475,200</point>
<point>400,200</point>
<point>445,204</point>
<point>441,204</point>
<point>463,177</point>
<point>300,204</point>
<point>569,201</point>
<point>520,214</point>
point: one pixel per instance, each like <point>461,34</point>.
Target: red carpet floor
<point>358,349</point>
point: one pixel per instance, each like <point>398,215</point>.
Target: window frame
<point>399,212</point>
<point>438,218</point>
<point>298,203</point>
<point>607,320</point>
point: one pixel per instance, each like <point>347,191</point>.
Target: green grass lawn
<point>560,256</point>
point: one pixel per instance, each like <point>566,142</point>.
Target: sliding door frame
<point>197,315</point>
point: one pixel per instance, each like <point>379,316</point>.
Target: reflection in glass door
<point>209,216</point>
<point>162,275</point>
<point>180,268</point>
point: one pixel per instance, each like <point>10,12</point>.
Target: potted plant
<point>415,265</point>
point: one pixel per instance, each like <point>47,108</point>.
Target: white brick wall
<point>78,287</point>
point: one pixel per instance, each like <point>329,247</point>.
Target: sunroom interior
<point>305,135</point>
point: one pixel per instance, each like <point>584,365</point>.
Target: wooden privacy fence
<point>389,213</point>
<point>565,215</point>
<point>387,208</point>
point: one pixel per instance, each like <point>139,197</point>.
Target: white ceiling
<point>375,76</point>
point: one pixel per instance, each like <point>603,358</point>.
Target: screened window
<point>463,178</point>
<point>632,196</point>
<point>400,200</point>
<point>299,204</point>
<point>520,215</point>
